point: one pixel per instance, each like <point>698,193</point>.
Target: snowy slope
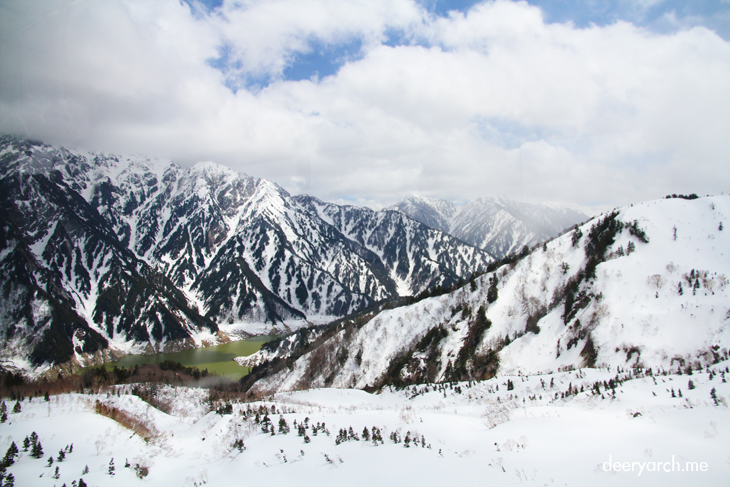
<point>610,299</point>
<point>554,429</point>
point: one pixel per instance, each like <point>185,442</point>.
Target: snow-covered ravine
<point>552,429</point>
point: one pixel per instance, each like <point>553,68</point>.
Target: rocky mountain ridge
<point>642,286</point>
<point>499,225</point>
<point>145,255</point>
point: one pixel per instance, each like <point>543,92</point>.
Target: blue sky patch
<point>323,59</point>
<point>204,5</point>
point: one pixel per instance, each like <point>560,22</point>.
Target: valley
<point>360,337</point>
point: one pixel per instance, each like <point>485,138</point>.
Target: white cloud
<point>494,101</point>
<point>263,35</point>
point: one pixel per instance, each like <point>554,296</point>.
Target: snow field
<point>479,433</point>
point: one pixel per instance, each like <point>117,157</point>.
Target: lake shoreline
<point>218,359</point>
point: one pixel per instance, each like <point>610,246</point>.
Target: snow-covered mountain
<point>644,286</point>
<point>145,255</point>
<point>498,225</point>
<point>416,256</point>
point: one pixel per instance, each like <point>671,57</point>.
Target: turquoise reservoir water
<point>218,359</point>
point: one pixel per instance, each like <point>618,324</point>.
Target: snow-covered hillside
<point>644,286</point>
<point>499,225</point>
<point>599,427</point>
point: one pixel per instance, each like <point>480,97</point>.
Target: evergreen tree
<point>713,395</point>
<point>50,460</point>
<point>85,470</point>
<point>12,450</point>
<point>376,436</point>
<point>16,408</point>
<point>46,397</point>
<point>10,454</point>
<point>26,443</point>
<point>82,483</point>
<point>283,426</point>
<point>9,481</point>
<point>111,467</point>
<point>365,434</point>
<point>492,293</point>
<point>238,444</point>
<point>576,236</point>
<point>37,450</point>
<point>56,474</point>
<point>690,385</point>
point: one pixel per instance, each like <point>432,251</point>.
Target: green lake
<point>218,359</point>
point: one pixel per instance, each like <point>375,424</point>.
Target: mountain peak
<point>496,224</point>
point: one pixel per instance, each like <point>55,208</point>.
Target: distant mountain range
<point>498,225</point>
<point>102,254</point>
<point>644,286</point>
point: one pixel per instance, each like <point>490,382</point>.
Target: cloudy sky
<point>363,101</point>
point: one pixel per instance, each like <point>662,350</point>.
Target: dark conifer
<point>36,450</point>
<point>283,426</point>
